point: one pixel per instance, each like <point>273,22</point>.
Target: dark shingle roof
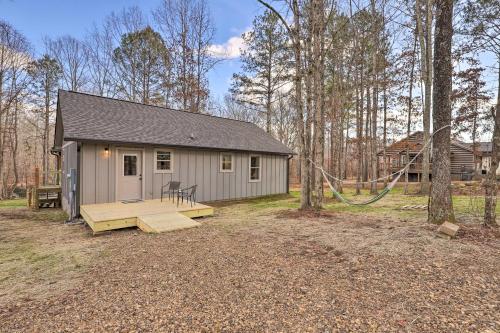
<point>87,117</point>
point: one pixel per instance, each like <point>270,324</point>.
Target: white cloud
<point>228,50</point>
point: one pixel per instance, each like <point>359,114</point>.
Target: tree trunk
<point>410,107</point>
<point>319,93</point>
<point>373,145</point>
<point>425,39</point>
<point>367,138</point>
<point>46,130</point>
<point>491,186</point>
<point>386,173</point>
<point>373,141</point>
<point>359,132</point>
<point>441,204</point>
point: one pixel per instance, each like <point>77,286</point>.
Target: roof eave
<point>176,146</point>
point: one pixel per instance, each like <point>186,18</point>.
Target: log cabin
<point>462,158</point>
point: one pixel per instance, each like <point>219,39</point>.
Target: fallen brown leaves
<point>252,271</point>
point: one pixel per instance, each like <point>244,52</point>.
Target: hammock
<point>387,189</point>
<point>376,198</point>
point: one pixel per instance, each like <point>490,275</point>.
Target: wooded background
<point>337,81</point>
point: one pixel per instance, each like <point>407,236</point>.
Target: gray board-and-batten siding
<point>97,174</point>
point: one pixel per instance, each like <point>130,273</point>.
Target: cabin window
<point>130,165</point>
<point>226,162</point>
<point>254,168</point>
<point>163,161</point>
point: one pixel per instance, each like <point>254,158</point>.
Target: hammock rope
<point>386,190</point>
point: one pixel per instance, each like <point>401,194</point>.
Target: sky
<point>53,18</point>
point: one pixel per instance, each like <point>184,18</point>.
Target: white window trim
<point>232,162</point>
<point>250,169</point>
<point>123,163</point>
<point>171,170</point>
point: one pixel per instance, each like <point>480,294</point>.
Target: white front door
<point>129,180</point>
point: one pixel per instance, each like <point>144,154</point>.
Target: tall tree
<point>424,18</point>
<point>140,61</point>
<point>188,31</point>
<point>441,205</point>
<point>471,98</point>
<point>318,12</point>
<point>491,185</point>
<point>72,57</point>
<point>99,44</point>
<point>15,52</point>
<point>266,66</point>
<point>482,24</point>
<point>46,74</point>
<point>296,34</point>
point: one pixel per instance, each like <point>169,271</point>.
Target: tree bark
<point>491,186</point>
<point>441,204</point>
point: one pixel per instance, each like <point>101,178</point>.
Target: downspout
<point>57,153</point>
<point>78,170</point>
<point>288,174</point>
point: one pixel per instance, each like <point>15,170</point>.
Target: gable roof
<point>415,142</point>
<point>88,117</point>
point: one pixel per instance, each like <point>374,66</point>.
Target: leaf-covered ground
<point>257,265</point>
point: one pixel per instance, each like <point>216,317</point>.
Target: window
<point>163,161</point>
<point>226,162</point>
<point>130,165</point>
<point>254,168</point>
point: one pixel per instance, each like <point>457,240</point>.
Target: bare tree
<point>14,57</point>
<point>188,31</point>
<point>234,109</point>
<point>72,57</point>
<point>284,120</point>
<point>99,44</point>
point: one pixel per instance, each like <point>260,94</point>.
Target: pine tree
<point>471,98</point>
<point>266,66</point>
<point>46,74</point>
<point>140,60</point>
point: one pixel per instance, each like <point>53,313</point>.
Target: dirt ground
<point>257,265</point>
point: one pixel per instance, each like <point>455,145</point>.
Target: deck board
<point>165,222</point>
<point>116,215</point>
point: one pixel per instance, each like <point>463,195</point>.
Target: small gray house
<point>112,150</point>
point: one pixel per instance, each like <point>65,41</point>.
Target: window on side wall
<point>254,168</point>
<point>226,162</point>
<point>163,161</point>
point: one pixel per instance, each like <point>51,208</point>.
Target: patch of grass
<point>13,203</point>
<point>46,215</point>
<point>17,259</point>
<point>391,204</point>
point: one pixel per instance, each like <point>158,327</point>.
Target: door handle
<point>140,176</point>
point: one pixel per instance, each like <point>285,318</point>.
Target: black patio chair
<point>173,188</point>
<point>189,193</point>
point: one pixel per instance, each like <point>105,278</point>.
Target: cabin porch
<point>149,215</point>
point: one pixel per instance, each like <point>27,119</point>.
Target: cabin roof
<point>415,142</point>
<point>85,117</point>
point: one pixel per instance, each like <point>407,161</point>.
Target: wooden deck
<point>109,216</point>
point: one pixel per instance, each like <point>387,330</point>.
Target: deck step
<point>165,222</point>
